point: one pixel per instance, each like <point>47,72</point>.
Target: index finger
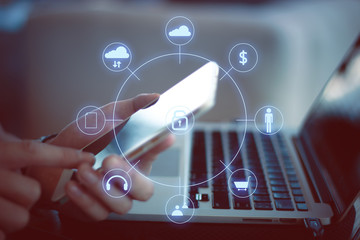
<point>15,155</point>
<point>71,136</point>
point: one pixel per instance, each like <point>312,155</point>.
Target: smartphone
<point>150,125</point>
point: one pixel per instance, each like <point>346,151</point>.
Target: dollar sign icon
<point>243,57</point>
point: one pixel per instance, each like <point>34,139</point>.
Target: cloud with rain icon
<point>182,31</point>
<point>120,52</point>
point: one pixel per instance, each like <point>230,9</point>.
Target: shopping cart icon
<point>240,185</point>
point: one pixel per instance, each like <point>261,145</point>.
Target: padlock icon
<point>180,121</point>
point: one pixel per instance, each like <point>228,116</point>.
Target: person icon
<point>177,212</point>
<point>269,119</point>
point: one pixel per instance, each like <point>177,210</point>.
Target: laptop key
<point>198,159</point>
<point>299,199</point>
<point>192,196</point>
<point>261,191</point>
<point>281,196</point>
<point>276,176</point>
<point>260,184</point>
<point>263,205</point>
<point>272,164</point>
<point>274,170</point>
<point>297,192</point>
<point>242,203</point>
<point>277,182</point>
<point>283,204</point>
<point>279,189</point>
<point>290,171</point>
<point>292,177</point>
<point>294,185</point>
<point>220,180</point>
<point>220,200</point>
<point>261,198</point>
<point>234,147</point>
<point>202,197</point>
<point>301,207</point>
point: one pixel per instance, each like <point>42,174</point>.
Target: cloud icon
<point>120,52</point>
<point>182,31</point>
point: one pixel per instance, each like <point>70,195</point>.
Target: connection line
<point>114,120</point>
<point>184,197</point>
<point>226,167</point>
<point>226,73</point>
<point>132,73</point>
<point>245,120</point>
<point>133,166</point>
<point>179,54</point>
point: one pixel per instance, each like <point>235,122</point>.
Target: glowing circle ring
<point>169,55</point>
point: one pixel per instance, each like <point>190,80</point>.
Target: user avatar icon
<point>269,119</point>
<point>177,212</point>
<point>179,209</point>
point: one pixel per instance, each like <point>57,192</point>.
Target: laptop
<point>308,173</point>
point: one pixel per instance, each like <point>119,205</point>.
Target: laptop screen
<point>332,129</point>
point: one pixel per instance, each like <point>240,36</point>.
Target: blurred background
<point>51,55</point>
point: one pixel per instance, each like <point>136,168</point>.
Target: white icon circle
<point>179,30</point>
<point>90,120</point>
<point>268,120</point>
<point>243,57</point>
<point>179,209</point>
<point>180,120</point>
<point>116,57</point>
<point>116,183</point>
<point>240,183</point>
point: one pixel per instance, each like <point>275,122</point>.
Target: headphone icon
<point>125,186</point>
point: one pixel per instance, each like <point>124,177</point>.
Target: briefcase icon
<point>180,121</point>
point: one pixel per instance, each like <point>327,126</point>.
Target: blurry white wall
<point>299,45</point>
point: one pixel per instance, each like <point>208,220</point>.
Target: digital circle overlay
<point>179,209</point>
<point>179,30</point>
<point>116,183</point>
<point>116,57</point>
<point>242,183</point>
<point>269,120</point>
<point>175,55</point>
<point>181,120</point>
<point>90,120</point>
<point>243,57</point>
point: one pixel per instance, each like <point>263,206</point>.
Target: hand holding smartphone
<point>148,126</point>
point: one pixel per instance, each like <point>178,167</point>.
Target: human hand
<point>18,192</point>
<point>87,192</point>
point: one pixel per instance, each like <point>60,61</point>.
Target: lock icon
<point>180,121</point>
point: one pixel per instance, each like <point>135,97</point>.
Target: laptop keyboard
<point>277,189</point>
